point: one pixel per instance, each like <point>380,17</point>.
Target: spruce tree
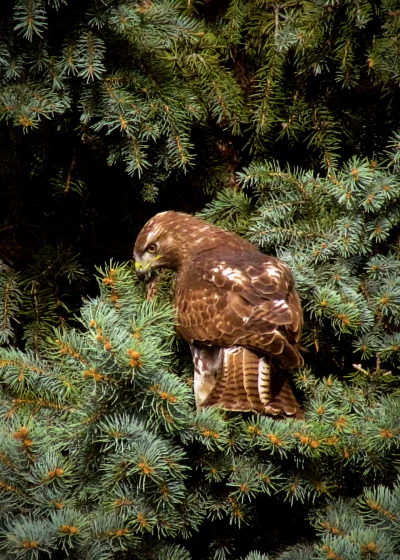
<point>278,116</point>
<point>104,456</point>
<point>164,102</point>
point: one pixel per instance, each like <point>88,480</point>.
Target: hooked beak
<point>146,268</point>
<point>141,272</point>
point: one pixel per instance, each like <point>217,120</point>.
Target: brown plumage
<point>236,307</point>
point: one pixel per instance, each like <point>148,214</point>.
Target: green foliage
<point>186,93</point>
<point>257,556</point>
<point>102,452</point>
<point>82,482</point>
<point>10,299</point>
<point>338,236</point>
<point>41,297</point>
<point>366,528</point>
<point>97,66</point>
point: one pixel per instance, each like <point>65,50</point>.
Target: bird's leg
<point>207,368</point>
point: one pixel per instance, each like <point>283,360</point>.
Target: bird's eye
<point>152,248</point>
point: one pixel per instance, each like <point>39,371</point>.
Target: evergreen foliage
<point>177,96</point>
<point>103,454</point>
<point>339,236</point>
<point>41,296</point>
<point>47,297</point>
<point>146,72</point>
<point>280,114</point>
<point>10,298</point>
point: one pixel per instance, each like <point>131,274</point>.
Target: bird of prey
<point>236,307</point>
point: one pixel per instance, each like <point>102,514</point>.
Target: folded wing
<point>255,306</point>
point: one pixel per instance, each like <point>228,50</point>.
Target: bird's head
<point>161,243</point>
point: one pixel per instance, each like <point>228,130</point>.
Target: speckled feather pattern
<point>237,308</point>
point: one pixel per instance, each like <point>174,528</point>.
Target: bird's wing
<point>228,303</point>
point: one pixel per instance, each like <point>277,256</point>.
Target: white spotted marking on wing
<point>280,303</point>
<point>227,271</point>
<point>273,271</point>
<point>234,274</point>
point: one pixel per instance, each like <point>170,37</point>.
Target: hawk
<point>236,307</point>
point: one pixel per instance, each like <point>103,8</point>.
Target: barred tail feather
<point>249,382</point>
<point>230,392</point>
<point>284,403</point>
<point>251,379</point>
